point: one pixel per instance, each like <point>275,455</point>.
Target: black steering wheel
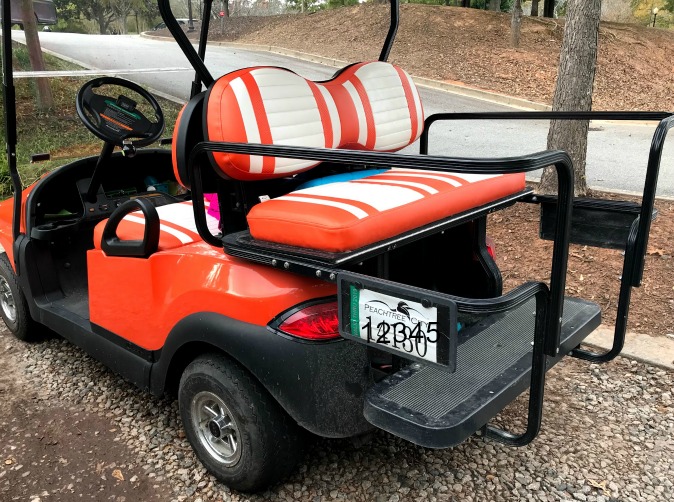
<point>117,119</point>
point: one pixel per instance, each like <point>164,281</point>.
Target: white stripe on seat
<point>423,174</point>
<point>360,112</point>
<point>182,237</point>
<point>381,197</point>
<point>249,120</point>
<point>420,186</point>
<point>356,211</point>
<point>334,116</point>
<point>182,215</point>
<point>390,110</point>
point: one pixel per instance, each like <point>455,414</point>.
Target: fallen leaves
<point>117,474</point>
<point>596,484</point>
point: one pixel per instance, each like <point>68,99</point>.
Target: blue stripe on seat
<point>336,178</point>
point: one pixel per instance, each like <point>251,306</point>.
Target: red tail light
<point>491,248</point>
<point>316,322</point>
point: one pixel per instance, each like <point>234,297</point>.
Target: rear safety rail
<point>597,222</point>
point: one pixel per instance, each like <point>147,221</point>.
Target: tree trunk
<point>534,8</point>
<point>44,96</point>
<point>573,92</point>
<point>516,23</point>
<point>102,23</point>
<point>549,8</point>
<point>495,5</point>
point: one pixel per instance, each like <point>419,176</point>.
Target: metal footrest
<point>433,408</point>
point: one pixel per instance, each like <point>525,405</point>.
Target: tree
<point>332,4</point>
<point>534,8</point>
<point>304,5</point>
<point>44,95</point>
<point>516,23</point>
<point>549,8</point>
<point>122,10</point>
<point>100,11</point>
<point>573,91</point>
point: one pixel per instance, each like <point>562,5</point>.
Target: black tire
<point>269,441</point>
<point>20,323</point>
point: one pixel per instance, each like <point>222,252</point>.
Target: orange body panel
<point>6,213</point>
<point>159,291</point>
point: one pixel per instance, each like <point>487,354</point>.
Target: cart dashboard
<point>56,204</point>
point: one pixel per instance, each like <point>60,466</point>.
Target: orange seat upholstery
<point>348,215</point>
<point>177,227</point>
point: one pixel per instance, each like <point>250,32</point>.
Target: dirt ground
<point>56,451</point>
<point>593,273</point>
<point>472,47</point>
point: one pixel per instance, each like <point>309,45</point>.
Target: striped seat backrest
<point>366,106</point>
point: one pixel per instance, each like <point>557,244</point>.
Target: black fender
<point>321,385</point>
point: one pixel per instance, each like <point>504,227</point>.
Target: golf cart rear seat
<point>367,106</point>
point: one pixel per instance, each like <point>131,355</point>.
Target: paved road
<point>617,153</point>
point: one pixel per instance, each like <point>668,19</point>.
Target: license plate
<point>410,322</point>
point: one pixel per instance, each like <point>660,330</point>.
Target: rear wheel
<point>238,431</point>
<point>13,307</point>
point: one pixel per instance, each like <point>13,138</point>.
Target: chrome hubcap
<point>216,428</point>
<point>7,300</point>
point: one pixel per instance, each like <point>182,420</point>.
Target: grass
<point>58,131</point>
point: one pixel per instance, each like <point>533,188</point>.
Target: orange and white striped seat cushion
<point>177,227</point>
<point>367,106</point>
<point>348,215</point>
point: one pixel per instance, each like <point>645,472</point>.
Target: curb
<point>454,88</point>
<point>653,350</point>
<point>459,89</point>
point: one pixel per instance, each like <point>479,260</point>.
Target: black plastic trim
<point>189,131</point>
<point>184,43</point>
<point>124,358</point>
<point>320,385</point>
<point>392,30</point>
<point>9,103</point>
<point>112,245</point>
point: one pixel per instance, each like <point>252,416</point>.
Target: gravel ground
<point>607,435</point>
